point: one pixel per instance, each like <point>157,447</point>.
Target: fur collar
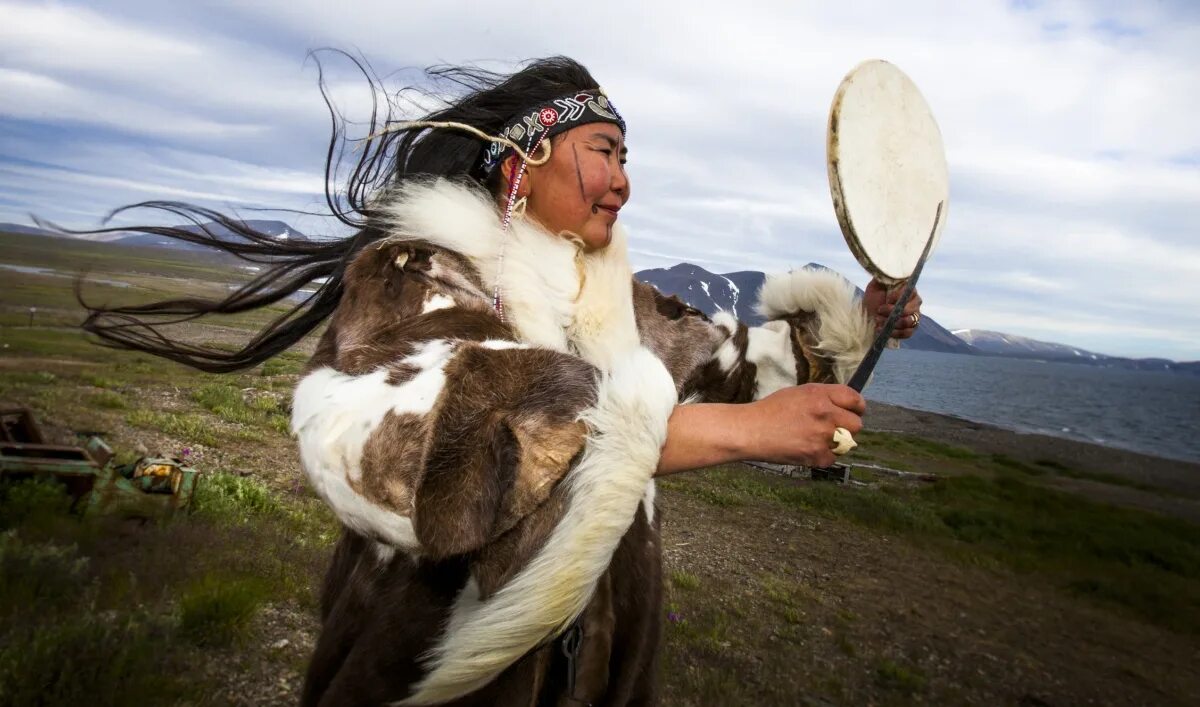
<point>555,295</point>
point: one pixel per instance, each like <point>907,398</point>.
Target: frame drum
<point>887,169</point>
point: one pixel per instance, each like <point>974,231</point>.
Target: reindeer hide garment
<point>495,478</point>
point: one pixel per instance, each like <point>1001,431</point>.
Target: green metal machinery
<point>151,487</point>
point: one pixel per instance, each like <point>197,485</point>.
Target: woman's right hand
<point>795,425</point>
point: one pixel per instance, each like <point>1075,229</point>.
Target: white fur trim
<point>648,500</point>
<point>844,331</point>
<point>629,427</point>
<point>334,414</point>
<point>728,354</point>
<point>501,344</point>
<point>770,349</point>
<point>543,297</point>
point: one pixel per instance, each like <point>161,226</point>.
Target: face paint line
<point>579,174</point>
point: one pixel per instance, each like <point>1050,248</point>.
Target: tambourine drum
<point>887,169</point>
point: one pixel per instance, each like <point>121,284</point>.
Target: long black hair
<point>484,99</point>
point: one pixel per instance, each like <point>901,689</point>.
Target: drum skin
<point>887,169</point>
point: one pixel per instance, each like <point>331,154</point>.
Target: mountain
<point>277,229</point>
<point>708,292</point>
<point>997,343</point>
<point>18,228</point>
<point>738,291</point>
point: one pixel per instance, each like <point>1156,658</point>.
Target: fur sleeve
<point>437,434</point>
<point>816,331</point>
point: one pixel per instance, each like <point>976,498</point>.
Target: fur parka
<point>495,478</point>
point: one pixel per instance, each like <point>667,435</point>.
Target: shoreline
<point>1172,475</point>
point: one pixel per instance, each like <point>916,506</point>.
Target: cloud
<point>1069,126</point>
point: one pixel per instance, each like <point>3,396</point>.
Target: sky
<point>1072,130</point>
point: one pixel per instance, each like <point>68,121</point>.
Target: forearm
<point>700,435</point>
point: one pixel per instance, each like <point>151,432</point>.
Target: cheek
<point>596,180</point>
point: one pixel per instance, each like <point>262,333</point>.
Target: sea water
<point>1153,412</point>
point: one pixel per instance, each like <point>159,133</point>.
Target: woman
<point>494,394</point>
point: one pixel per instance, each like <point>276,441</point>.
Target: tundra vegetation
<point>991,584</point>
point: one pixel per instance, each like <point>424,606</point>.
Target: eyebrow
<point>612,142</point>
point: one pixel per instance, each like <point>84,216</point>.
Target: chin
<point>597,242</point>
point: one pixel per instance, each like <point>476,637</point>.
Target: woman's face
<point>583,185</point>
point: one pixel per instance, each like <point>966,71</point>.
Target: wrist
<point>733,433</point>
<point>704,434</point>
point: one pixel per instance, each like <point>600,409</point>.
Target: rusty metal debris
<point>151,487</point>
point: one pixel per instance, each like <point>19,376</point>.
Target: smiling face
<point>583,185</point>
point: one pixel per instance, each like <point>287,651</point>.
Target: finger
<point>851,421</point>
<point>847,398</point>
<point>824,458</point>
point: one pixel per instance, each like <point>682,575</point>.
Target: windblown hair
<point>484,99</point>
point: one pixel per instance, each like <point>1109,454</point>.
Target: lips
<point>610,209</point>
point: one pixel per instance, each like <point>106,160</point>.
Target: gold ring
<point>916,317</point>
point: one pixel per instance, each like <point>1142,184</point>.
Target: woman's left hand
<point>878,301</point>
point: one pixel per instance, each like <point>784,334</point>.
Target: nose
<point>620,182</point>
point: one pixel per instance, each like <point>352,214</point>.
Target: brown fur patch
<point>496,563</point>
<point>811,365</point>
<point>391,462</point>
<point>379,319</point>
<point>717,385</point>
<point>681,336</point>
<point>474,456</point>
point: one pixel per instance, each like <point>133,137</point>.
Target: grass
<point>92,615</point>
<point>232,404</point>
<point>107,399</point>
<point>685,581</point>
<point>916,446</point>
<point>217,611</point>
<point>1136,561</point>
<point>90,659</point>
<point>189,427</point>
<point>58,648</point>
<point>893,676</point>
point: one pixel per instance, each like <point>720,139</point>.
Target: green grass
<point>227,498</point>
<point>685,581</point>
<point>92,612</point>
<point>1006,462</point>
<point>232,404</point>
<point>89,659</point>
<point>217,610</point>
<point>1137,561</point>
<point>98,381</point>
<point>108,399</point>
<point>916,446</point>
<point>33,576</point>
<point>1112,479</point>
<point>58,648</point>
<point>30,501</point>
<point>892,676</point>
<point>187,427</point>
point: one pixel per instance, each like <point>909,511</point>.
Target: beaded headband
<point>550,118</point>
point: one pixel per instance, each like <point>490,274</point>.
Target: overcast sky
<point>1072,130</point>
